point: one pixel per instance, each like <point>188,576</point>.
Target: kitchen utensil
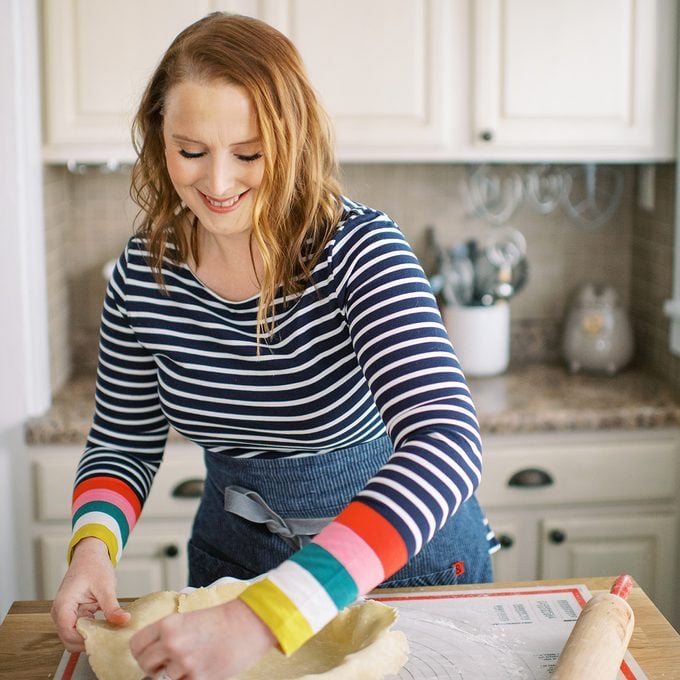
<point>491,196</point>
<point>500,266</point>
<point>600,637</point>
<point>453,279</point>
<point>546,188</point>
<point>437,277</point>
<point>462,272</point>
<point>603,192</point>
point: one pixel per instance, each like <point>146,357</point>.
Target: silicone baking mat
<point>496,634</point>
<point>513,633</point>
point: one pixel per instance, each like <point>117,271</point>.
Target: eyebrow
<point>182,138</point>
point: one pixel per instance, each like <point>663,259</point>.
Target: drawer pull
<point>530,478</point>
<point>557,536</point>
<point>189,488</point>
<point>171,551</point>
<point>506,541</point>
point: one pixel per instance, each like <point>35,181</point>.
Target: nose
<point>221,176</point>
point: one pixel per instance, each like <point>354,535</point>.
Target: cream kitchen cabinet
<point>97,57</point>
<point>155,556</point>
<point>403,80</point>
<point>382,68</point>
<point>574,79</point>
<point>587,504</point>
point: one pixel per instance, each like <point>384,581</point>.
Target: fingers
<point>88,609</point>
<point>144,638</point>
<point>149,650</point>
<point>65,622</point>
<point>113,612</point>
<point>86,588</point>
<point>170,672</point>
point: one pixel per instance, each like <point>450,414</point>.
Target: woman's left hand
<point>206,644</point>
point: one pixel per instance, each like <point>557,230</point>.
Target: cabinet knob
<point>486,135</point>
<point>189,488</point>
<point>171,551</point>
<point>506,541</point>
<point>557,536</point>
<point>530,478</point>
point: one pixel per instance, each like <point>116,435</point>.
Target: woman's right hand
<point>88,586</point>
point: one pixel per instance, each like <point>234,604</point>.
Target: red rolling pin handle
<point>622,586</point>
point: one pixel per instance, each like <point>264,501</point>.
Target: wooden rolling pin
<point>599,639</point>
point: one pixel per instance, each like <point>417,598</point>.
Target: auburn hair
<point>298,203</point>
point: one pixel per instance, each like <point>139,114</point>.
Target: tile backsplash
<point>89,218</point>
<point>652,278</point>
<point>57,222</point>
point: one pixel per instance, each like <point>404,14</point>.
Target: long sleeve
<point>127,438</point>
<point>419,389</point>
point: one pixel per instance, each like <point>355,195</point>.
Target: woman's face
<point>213,153</point>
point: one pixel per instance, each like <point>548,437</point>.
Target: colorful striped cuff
<point>103,508</point>
<point>381,537</point>
<point>299,597</point>
<point>95,531</point>
<point>278,611</point>
<point>103,484</point>
<point>348,558</point>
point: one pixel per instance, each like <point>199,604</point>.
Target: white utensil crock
<point>480,336</point>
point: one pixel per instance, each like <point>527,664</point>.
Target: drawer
<point>54,470</point>
<point>567,468</point>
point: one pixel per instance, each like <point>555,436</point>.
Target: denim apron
<point>255,513</point>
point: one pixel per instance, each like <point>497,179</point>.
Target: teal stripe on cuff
<point>106,509</point>
<point>330,573</point>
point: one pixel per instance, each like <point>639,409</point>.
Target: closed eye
<point>251,158</point>
<point>189,154</point>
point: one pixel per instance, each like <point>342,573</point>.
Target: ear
<point>588,295</point>
<point>610,296</point>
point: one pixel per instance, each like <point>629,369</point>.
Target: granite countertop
<point>528,398</point>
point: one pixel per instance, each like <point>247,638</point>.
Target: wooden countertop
<point>30,648</point>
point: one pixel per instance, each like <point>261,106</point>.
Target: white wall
<point>24,382</point>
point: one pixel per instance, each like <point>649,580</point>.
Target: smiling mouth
<point>224,205</point>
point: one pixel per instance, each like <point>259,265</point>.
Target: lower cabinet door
<point>507,561</point>
<point>152,560</point>
<point>516,531</point>
<point>639,545</point>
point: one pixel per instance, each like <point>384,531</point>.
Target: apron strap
<point>249,505</point>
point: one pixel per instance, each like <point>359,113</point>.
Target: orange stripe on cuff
<point>279,613</point>
<point>95,531</point>
<point>378,533</point>
<point>113,484</point>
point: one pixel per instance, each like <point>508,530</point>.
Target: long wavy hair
<point>298,204</point>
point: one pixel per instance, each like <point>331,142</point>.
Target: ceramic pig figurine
<point>597,336</point>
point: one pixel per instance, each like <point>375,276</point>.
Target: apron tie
<point>249,505</point>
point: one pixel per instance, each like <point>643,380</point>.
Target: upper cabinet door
<point>382,69</point>
<point>97,58</point>
<point>574,78</point>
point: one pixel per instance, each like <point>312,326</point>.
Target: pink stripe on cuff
<point>354,554</point>
<point>110,497</point>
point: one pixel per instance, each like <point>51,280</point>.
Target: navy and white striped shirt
<point>360,353</point>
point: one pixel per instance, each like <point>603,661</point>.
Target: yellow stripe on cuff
<point>284,619</point>
<point>95,531</point>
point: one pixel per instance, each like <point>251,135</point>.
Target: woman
<point>292,334</point>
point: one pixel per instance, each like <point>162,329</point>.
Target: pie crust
<point>358,644</point>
